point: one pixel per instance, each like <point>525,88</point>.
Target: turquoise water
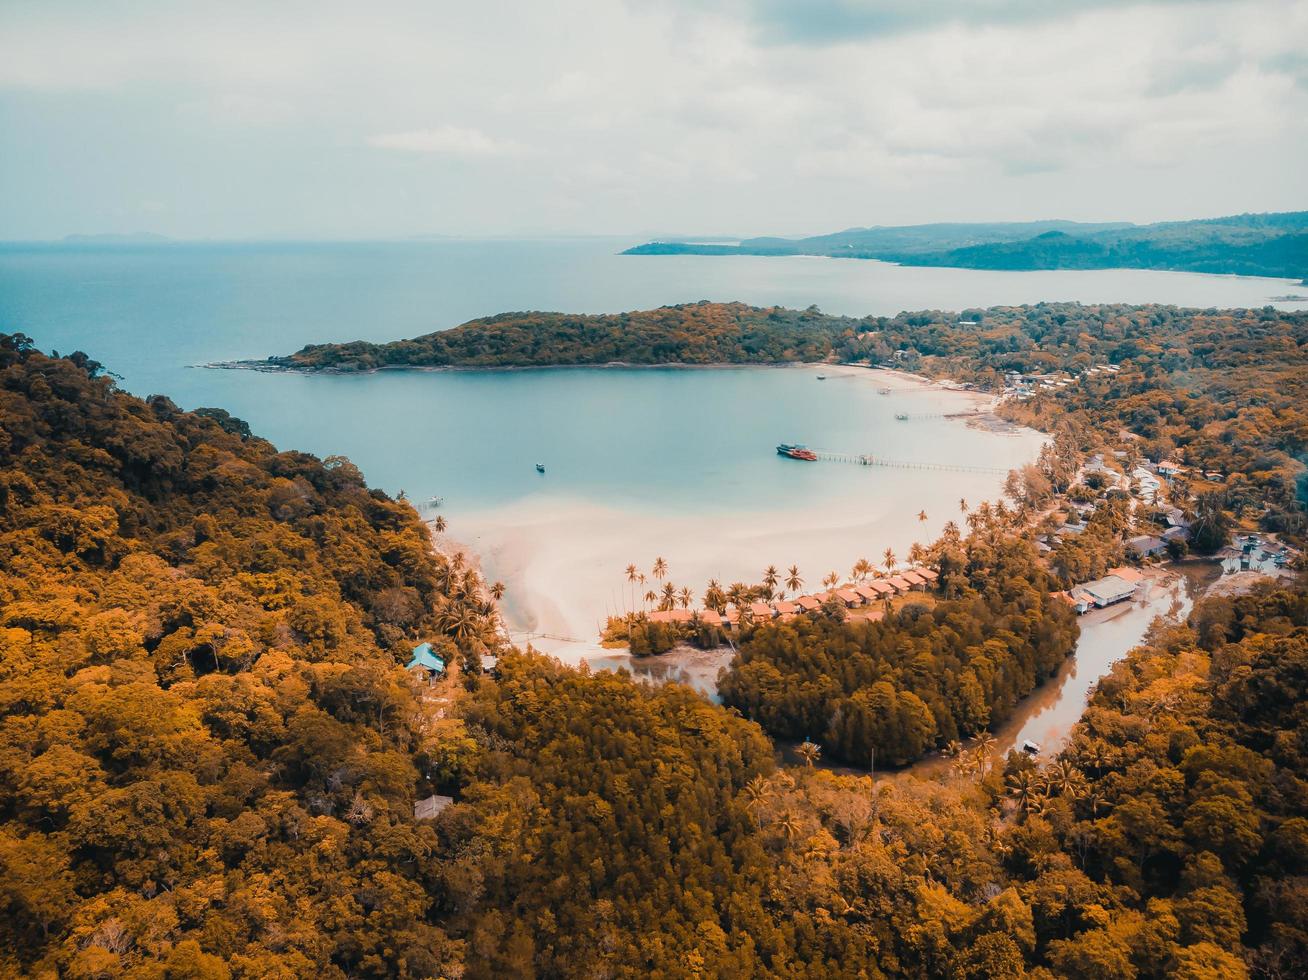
<point>664,438</point>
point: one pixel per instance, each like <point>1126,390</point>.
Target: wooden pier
<point>867,459</point>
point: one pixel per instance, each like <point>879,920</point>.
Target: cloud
<point>449,141</point>
<point>821,22</point>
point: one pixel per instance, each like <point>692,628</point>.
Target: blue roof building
<point>426,659</point>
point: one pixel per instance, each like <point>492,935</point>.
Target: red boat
<point>797,452</point>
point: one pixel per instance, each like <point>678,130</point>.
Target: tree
<point>810,752</point>
<point>793,581</point>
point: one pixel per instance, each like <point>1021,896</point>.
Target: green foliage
<point>918,677</point>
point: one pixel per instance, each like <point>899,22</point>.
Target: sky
<point>394,118</point>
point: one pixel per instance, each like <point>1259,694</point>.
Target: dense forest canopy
<point>932,672</point>
<point>1246,244</point>
<point>211,754</point>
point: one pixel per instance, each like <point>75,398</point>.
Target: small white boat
<point>540,467</point>
<point>1030,747</point>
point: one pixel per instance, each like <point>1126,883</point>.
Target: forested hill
<point>694,333</point>
<point>209,757</point>
<point>1250,244</point>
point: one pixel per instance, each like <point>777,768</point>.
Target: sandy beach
<point>563,559</point>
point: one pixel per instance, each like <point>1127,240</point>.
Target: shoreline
<point>562,557</point>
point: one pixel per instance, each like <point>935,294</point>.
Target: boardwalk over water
<point>867,459</point>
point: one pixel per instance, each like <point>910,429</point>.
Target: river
<point>1045,717</point>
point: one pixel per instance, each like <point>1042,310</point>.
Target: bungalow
<point>867,593</point>
<point>761,611</point>
<point>1169,467</point>
<point>426,661</point>
<point>1177,534</point>
<point>1176,517</point>
<point>1146,545</point>
<point>786,609</point>
<point>882,588</point>
<point>808,603</point>
<point>899,583</point>
<point>710,617</point>
<point>929,574</point>
<point>431,807</point>
<point>490,664</point>
<point>849,597</point>
<point>1105,591</point>
<point>915,580</point>
<point>671,616</point>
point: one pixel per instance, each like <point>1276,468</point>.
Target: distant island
<point>1247,244</point>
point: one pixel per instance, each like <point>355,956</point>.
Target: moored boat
<point>797,452</point>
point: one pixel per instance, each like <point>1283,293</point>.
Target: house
<point>786,609</point>
<point>899,583</point>
<point>490,664</point>
<point>671,616</point>
<point>1177,534</point>
<point>808,603</point>
<point>929,574</point>
<point>849,597</point>
<point>1103,592</point>
<point>1176,517</point>
<point>1146,545</point>
<point>431,807</point>
<point>882,588</point>
<point>915,580</point>
<point>868,593</point>
<point>710,617</point>
<point>1169,468</point>
<point>425,660</point>
<point>761,611</point>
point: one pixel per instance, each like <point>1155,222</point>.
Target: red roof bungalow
<point>731,617</point>
<point>710,617</point>
<point>914,579</point>
<point>671,616</point>
<point>849,597</point>
<point>882,588</point>
<point>786,609</point>
<point>761,610</point>
<point>821,597</point>
<point>868,593</point>
<point>900,583</point>
<point>809,603</point>
<point>929,574</point>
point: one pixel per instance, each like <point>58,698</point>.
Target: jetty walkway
<point>866,459</point>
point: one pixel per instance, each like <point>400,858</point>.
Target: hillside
<point>210,756</point>
<point>1254,244</point>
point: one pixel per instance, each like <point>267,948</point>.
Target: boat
<point>822,377</point>
<point>902,417</point>
<point>797,452</point>
<point>540,467</point>
<point>1030,747</point>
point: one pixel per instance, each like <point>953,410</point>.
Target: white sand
<point>563,560</point>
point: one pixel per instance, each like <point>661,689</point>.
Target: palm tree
<point>439,524</point>
<point>633,574</point>
<point>916,554</point>
<point>962,504</point>
<point>1024,785</point>
<point>651,597</point>
<point>862,569</point>
<point>1065,779</point>
<point>714,598</point>
<point>888,560</point>
<point>793,582</point>
<point>457,561</point>
<point>756,792</point>
<point>810,752</point>
<point>669,596</point>
<point>660,568</point>
<point>789,827</point>
<point>497,591</point>
<point>770,579</point>
<point>922,516</point>
<point>831,579</point>
<point>685,598</point>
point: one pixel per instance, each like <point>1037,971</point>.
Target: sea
<point>687,452</point>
